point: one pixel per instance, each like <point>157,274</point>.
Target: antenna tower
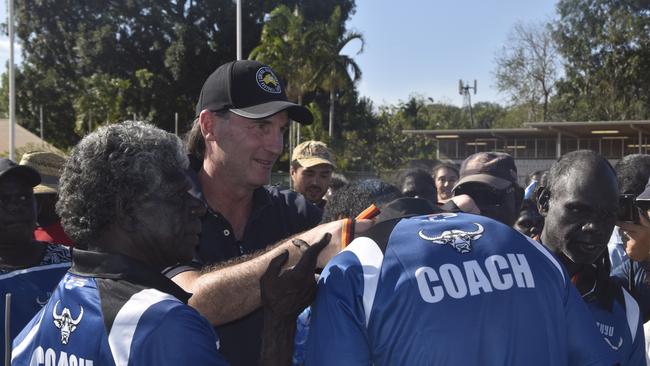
<point>464,90</point>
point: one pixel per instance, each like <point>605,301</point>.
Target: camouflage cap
<point>495,169</point>
<point>311,153</point>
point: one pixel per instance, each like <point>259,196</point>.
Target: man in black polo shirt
<point>242,115</point>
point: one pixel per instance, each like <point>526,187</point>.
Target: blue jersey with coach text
<point>450,289</point>
<point>90,321</point>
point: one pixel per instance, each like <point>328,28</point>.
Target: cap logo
<point>267,80</point>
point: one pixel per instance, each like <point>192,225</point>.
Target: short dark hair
<point>295,165</point>
<point>571,161</point>
<point>633,172</point>
<point>449,166</point>
<point>118,164</point>
<point>351,199</point>
<point>419,175</point>
<point>338,181</point>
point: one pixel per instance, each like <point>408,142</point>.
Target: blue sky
<point>424,46</point>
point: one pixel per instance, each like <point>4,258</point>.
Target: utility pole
<point>12,86</point>
<point>176,123</point>
<point>239,55</point>
<point>40,119</point>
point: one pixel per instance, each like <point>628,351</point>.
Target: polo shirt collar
<point>121,267</point>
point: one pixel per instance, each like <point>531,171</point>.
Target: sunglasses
<point>484,195</point>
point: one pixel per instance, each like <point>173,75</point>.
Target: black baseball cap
<point>250,89</point>
<point>10,169</point>
<point>495,169</point>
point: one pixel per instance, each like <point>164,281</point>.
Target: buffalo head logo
<point>458,239</point>
<point>65,322</point>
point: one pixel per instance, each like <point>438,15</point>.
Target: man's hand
<point>335,228</point>
<point>638,239</point>
<point>284,296</point>
<point>287,293</point>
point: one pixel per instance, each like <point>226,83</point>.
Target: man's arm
<point>229,292</point>
<point>284,296</point>
<point>337,333</point>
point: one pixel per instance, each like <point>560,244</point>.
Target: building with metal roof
<point>24,139</point>
<point>538,144</point>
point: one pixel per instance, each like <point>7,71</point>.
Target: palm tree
<point>285,45</point>
<point>334,71</point>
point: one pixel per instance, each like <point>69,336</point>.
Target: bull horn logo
<point>458,239</point>
<point>65,322</point>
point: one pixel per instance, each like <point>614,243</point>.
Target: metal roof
<point>585,129</point>
<point>24,138</point>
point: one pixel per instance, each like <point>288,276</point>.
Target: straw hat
<point>49,166</point>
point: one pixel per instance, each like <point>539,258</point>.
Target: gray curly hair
<point>116,166</point>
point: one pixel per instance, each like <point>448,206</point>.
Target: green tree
<point>336,71</point>
<point>101,102</point>
<point>177,42</point>
<point>285,44</point>
<point>486,114</point>
<point>606,45</point>
<point>527,68</point>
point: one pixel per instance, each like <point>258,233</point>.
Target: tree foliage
<point>526,68</point>
<point>606,44</point>
<point>286,45</point>
<point>160,51</point>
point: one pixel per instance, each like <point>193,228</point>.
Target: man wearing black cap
<point>490,179</point>
<point>29,269</point>
<point>242,114</point>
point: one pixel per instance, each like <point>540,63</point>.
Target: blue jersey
<point>621,328</point>
<point>450,289</point>
<point>112,321</point>
<point>31,287</point>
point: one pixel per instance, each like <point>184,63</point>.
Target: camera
<point>627,209</point>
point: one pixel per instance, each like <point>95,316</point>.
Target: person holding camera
<point>629,244</point>
<point>632,232</point>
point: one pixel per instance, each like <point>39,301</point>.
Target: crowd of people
<point>142,249</point>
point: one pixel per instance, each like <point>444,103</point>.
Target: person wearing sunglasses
<point>490,179</point>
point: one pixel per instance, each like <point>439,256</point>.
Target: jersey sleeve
<point>637,355</point>
<point>183,337</point>
<point>621,275</point>
<point>338,326</point>
<point>586,345</point>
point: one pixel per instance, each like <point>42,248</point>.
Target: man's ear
<point>543,197</point>
<point>207,121</point>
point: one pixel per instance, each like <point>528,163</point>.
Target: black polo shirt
<point>275,215</point>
